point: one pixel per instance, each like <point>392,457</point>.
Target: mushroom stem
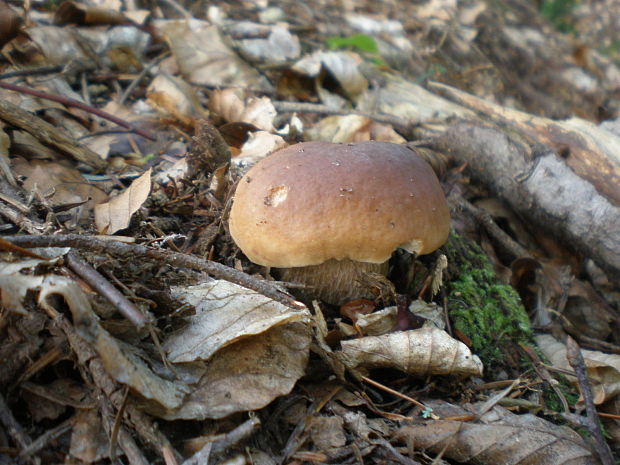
<point>334,281</point>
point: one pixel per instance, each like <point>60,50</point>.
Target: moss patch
<point>487,311</point>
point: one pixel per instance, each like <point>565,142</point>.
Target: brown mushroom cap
<point>316,201</point>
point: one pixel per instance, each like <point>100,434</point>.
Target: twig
<point>394,393</point>
<point>575,358</point>
<point>132,85</point>
<point>304,107</point>
<point>106,289</point>
<point>134,251</point>
<point>542,372</point>
<point>21,220</point>
<point>32,71</point>
<point>241,432</point>
<point>47,437</point>
<point>69,102</point>
<point>13,428</point>
<point>492,228</point>
<point>47,133</point>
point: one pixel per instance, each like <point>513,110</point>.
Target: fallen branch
<point>134,251</point>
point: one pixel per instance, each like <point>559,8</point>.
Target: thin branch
<point>575,358</point>
<point>69,102</point>
<point>134,251</point>
<point>106,289</point>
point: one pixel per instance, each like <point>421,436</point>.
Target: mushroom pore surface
<point>318,201</point>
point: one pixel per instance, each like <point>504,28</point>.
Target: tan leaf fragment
<point>174,98</point>
<point>418,352</point>
<point>279,45</point>
<point>225,313</point>
<point>258,146</point>
<point>247,375</point>
<point>115,215</point>
<point>500,437</point>
<point>603,369</point>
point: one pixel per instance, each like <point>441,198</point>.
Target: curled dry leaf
<point>417,352</point>
<point>500,437</point>
<point>225,313</point>
<point>247,375</point>
<point>174,98</point>
<point>603,369</point>
<point>279,45</point>
<point>231,107</point>
<point>115,215</point>
<point>343,66</point>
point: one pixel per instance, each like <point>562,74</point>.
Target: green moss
<point>487,311</point>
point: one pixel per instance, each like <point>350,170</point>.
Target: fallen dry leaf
<point>225,313</point>
<point>247,375</point>
<point>603,369</point>
<point>353,128</point>
<point>232,107</point>
<point>115,215</point>
<point>89,441</point>
<point>173,98</point>
<point>205,59</point>
<point>499,437</point>
<point>259,145</point>
<point>418,352</point>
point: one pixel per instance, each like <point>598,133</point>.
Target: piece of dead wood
<point>134,251</point>
<point>48,134</point>
<point>540,187</point>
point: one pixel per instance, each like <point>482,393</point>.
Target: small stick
<point>47,437</point>
<point>575,358</point>
<point>69,102</point>
<point>393,392</point>
<point>106,289</point>
<point>134,251</point>
<point>13,428</point>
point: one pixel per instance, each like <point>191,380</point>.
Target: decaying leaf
<point>418,352</point>
<point>499,437</point>
<point>603,369</point>
<point>174,98</point>
<point>269,44</point>
<point>89,441</point>
<point>116,214</point>
<point>59,184</point>
<point>225,313</point>
<point>247,375</point>
<point>204,58</point>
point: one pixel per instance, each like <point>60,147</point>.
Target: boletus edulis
<point>321,213</point>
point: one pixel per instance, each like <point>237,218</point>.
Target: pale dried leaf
<point>229,105</point>
<point>352,128</point>
<point>379,322</point>
<point>5,169</point>
<point>417,352</point>
<point>118,358</point>
<point>603,369</point>
<point>258,146</point>
<point>225,313</point>
<point>327,432</point>
<point>343,66</point>
<point>65,45</point>
<point>174,98</point>
<point>280,45</point>
<point>247,375</point>
<point>116,214</point>
<point>500,437</point>
<point>204,58</point>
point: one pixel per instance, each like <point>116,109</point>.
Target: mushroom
<point>323,213</point>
